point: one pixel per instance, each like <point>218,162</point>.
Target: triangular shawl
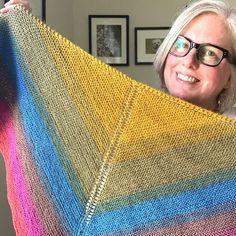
<point>89,151</point>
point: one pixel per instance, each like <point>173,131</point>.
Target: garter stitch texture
<point>89,151</point>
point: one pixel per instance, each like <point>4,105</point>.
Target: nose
<point>190,60</point>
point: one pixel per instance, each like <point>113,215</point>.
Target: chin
<point>184,98</point>
<point>180,95</point>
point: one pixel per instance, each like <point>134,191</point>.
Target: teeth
<point>187,78</point>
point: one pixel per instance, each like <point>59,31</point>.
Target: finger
<point>25,4</point>
<point>4,10</point>
<point>14,2</point>
<point>7,8</point>
<point>10,2</point>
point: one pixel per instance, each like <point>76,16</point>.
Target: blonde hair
<point>221,7</point>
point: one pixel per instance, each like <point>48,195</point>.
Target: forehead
<point>209,28</point>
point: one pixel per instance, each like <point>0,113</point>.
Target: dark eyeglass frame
<point>226,54</point>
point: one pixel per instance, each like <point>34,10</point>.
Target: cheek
<point>170,69</point>
<point>169,65</point>
<point>220,78</point>
<point>226,74</point>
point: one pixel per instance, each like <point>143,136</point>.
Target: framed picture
<point>109,37</point>
<point>147,41</point>
<point>38,8</point>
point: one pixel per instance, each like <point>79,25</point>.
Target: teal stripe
<point>168,189</point>
<point>44,153</point>
<point>48,121</point>
<point>161,208</point>
<point>146,228</point>
<point>63,156</point>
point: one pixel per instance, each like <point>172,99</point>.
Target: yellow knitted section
<point>103,111</point>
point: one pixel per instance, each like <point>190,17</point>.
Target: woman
<point>12,3</point>
<point>196,62</point>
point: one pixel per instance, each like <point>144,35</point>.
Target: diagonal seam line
<point>109,156</point>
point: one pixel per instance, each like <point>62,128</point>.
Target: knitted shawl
<point>89,151</point>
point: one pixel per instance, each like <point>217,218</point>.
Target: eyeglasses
<point>207,54</point>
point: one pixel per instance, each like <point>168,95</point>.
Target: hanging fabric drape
<point>89,151</point>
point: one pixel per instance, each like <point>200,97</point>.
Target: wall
<point>59,16</point>
<point>6,227</point>
<point>142,14</point>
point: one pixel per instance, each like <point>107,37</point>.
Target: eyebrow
<point>212,44</point>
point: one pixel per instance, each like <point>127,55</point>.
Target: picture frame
<point>109,38</point>
<point>147,41</point>
<point>38,8</point>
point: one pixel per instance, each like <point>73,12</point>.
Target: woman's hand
<point>10,4</point>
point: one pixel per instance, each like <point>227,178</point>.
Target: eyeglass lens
<point>207,54</point>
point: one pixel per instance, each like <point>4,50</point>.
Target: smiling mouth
<point>187,78</point>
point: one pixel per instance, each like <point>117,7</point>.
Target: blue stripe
<point>164,207</point>
<point>44,153</point>
<point>180,219</point>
